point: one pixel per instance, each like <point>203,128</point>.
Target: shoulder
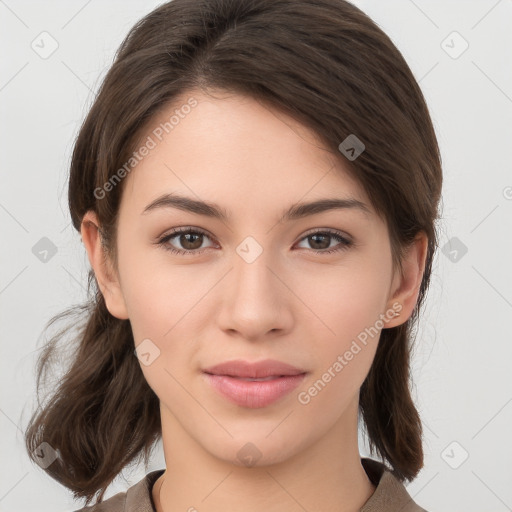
<point>390,493</point>
<point>137,498</point>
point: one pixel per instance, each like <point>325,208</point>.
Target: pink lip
<point>227,379</point>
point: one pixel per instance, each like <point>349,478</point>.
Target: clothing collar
<point>390,494</point>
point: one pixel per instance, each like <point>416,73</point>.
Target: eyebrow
<point>296,211</point>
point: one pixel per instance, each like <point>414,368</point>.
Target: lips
<point>258,370</point>
<point>254,385</point>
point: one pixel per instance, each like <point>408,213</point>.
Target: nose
<point>255,300</point>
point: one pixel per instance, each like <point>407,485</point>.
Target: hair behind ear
<point>103,413</point>
<point>390,416</point>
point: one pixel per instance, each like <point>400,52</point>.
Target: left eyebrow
<point>296,211</point>
<point>301,210</point>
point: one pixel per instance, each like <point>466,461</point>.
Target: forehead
<point>233,150</point>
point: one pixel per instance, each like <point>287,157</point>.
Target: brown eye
<point>320,241</point>
<point>188,241</point>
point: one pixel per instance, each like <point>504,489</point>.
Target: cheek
<point>165,309</point>
<point>156,295</point>
<point>348,302</point>
<point>344,356</point>
<point>349,298</point>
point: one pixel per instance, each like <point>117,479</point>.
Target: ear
<point>106,276</point>
<point>406,284</point>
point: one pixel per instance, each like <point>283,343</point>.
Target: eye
<point>190,238</point>
<point>321,240</point>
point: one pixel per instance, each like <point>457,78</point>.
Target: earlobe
<point>105,275</point>
<point>406,285</point>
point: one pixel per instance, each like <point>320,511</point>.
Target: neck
<point>326,477</point>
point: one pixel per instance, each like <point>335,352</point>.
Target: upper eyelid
<point>331,231</point>
<point>187,229</point>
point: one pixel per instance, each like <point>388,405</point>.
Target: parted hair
<point>327,64</point>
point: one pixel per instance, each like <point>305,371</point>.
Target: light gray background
<point>462,380</point>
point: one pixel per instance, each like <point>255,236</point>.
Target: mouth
<point>268,368</point>
<point>254,385</point>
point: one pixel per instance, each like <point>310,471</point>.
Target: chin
<point>255,451</point>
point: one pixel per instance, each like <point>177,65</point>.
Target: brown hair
<point>328,65</point>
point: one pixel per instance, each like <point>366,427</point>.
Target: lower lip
<point>254,394</point>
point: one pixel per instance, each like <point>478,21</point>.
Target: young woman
<point>256,186</point>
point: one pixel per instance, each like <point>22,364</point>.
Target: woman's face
<point>258,284</point>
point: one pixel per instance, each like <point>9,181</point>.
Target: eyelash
<point>344,242</point>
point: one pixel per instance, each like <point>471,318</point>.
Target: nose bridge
<point>253,277</point>
<point>255,302</point>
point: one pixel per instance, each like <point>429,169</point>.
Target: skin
<point>291,304</point>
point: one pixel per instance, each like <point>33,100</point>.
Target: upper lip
<point>256,370</point>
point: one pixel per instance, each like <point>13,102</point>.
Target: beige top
<point>390,494</point>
